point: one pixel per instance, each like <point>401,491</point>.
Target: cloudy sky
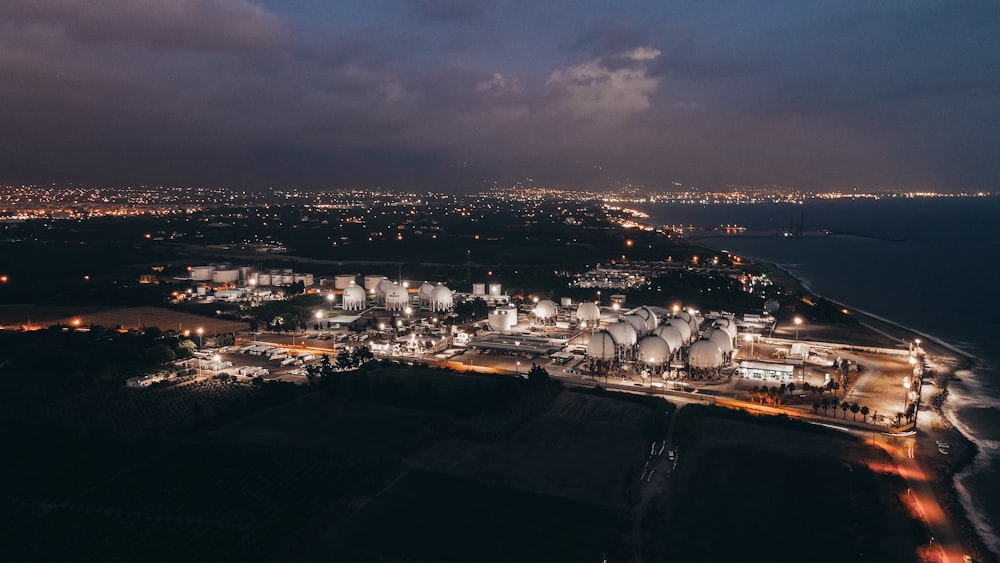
<point>449,94</point>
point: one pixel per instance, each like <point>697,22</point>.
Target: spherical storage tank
<point>545,309</point>
<point>623,334</point>
<point>653,350</point>
<point>671,335</point>
<point>382,290</point>
<point>588,312</point>
<point>721,339</point>
<point>705,354</point>
<point>441,299</point>
<point>729,326</point>
<point>601,346</point>
<point>354,298</point>
<point>682,327</point>
<point>396,299</point>
<point>372,281</point>
<point>691,321</point>
<point>647,314</point>
<point>640,326</point>
<point>424,293</point>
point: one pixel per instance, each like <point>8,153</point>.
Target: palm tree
<point>854,410</point>
<point>845,407</point>
<point>815,408</point>
<point>864,414</point>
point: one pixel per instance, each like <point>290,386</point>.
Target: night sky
<point>452,95</point>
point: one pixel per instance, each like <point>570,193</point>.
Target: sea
<point>926,263</point>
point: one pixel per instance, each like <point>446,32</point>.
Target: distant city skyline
<point>448,95</point>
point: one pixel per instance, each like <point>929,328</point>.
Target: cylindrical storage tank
<point>371,282</point>
<point>601,346</point>
<point>653,351</point>
<point>201,273</point>
<point>479,289</point>
<point>396,299</point>
<point>545,309</point>
<point>441,299</point>
<point>495,290</point>
<point>342,281</point>
<point>246,272</point>
<point>641,329</point>
<point>671,335</point>
<point>354,298</point>
<point>566,302</point>
<point>721,339</point>
<point>588,312</point>
<point>646,314</point>
<point>424,293</point>
<point>502,319</point>
<point>227,275</point>
<point>253,278</point>
<point>705,354</point>
<point>287,271</point>
<point>263,279</point>
<point>623,333</point>
<point>682,327</point>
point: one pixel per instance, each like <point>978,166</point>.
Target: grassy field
<point>128,317</point>
<point>777,493</point>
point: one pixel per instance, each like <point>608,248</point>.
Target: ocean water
<point>925,263</point>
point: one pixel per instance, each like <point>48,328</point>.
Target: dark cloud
<point>441,94</point>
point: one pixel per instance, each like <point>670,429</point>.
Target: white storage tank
<point>396,299</point>
<point>566,302</point>
<point>371,282</point>
<point>653,351</point>
<point>588,312</point>
<point>705,354</point>
<point>502,319</point>
<point>495,290</point>
<point>228,275</point>
<point>683,327</point>
<point>353,298</point>
<point>441,299</point>
<point>601,346</point>
<point>201,273</point>
<point>342,281</point>
<point>623,333</point>
<point>246,272</point>
<point>671,335</point>
<point>424,293</point>
<point>638,323</point>
<point>545,309</point>
<point>479,289</point>
<point>264,279</point>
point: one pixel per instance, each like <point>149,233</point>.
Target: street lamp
<point>330,297</point>
<point>518,370</point>
<point>906,393</point>
<point>749,338</point>
<point>798,321</point>
<point>201,342</point>
<point>215,365</point>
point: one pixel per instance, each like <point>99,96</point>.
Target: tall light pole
<point>330,297</point>
<point>749,338</point>
<point>201,341</point>
<point>798,321</point>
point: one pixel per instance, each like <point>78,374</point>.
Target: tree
<point>160,354</point>
<point>537,374</point>
<point>845,407</point>
<point>855,408</point>
<point>185,348</point>
<point>816,408</point>
<point>864,414</point>
<point>344,359</point>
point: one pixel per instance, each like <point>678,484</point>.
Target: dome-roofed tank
<point>647,314</point>
<point>653,350</point>
<point>729,326</point>
<point>637,322</point>
<point>441,299</point>
<point>705,354</point>
<point>601,346</point>
<point>354,298</point>
<point>721,339</point>
<point>691,321</point>
<point>545,309</point>
<point>682,327</point>
<point>382,290</point>
<point>623,333</point>
<point>671,335</point>
<point>396,299</point>
<point>424,293</point>
<point>588,312</point>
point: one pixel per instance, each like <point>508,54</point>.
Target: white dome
<point>588,312</point>
<point>637,322</point>
<point>691,321</point>
<point>623,333</point>
<point>721,339</point>
<point>382,289</point>
<point>682,327</point>
<point>396,299</point>
<point>441,299</point>
<point>354,298</point>
<point>729,326</point>
<point>647,314</point>
<point>671,335</point>
<point>653,350</point>
<point>424,293</point>
<point>705,354</point>
<point>601,346</point>
<point>545,309</point>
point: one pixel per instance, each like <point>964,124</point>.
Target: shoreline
<point>948,359</point>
